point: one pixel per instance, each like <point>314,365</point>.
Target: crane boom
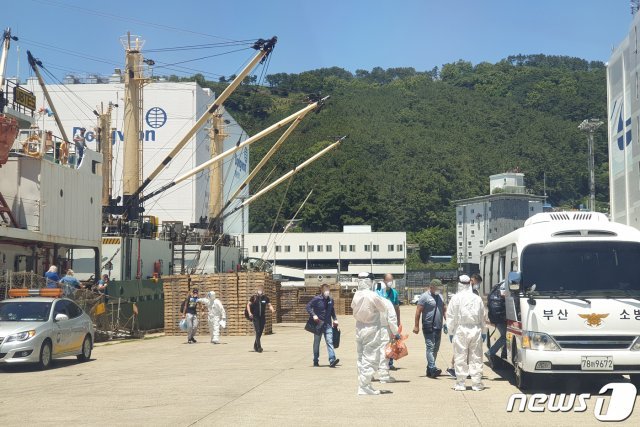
<point>239,146</point>
<point>34,65</point>
<point>264,47</point>
<point>287,175</point>
<point>264,160</point>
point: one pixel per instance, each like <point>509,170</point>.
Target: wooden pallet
<point>233,290</point>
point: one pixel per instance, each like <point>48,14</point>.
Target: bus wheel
<point>523,379</point>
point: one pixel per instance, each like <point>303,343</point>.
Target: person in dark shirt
<point>322,310</point>
<point>190,312</point>
<point>257,308</point>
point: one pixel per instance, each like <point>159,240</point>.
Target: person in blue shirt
<point>69,284</point>
<point>52,277</point>
<point>386,289</point>
<point>322,310</point>
<point>432,311</point>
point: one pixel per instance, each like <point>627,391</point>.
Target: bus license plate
<point>597,363</point>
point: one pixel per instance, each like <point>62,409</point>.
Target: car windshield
<point>583,268</point>
<point>13,311</point>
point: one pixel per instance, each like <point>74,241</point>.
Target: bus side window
<point>513,257</point>
<point>490,271</point>
<point>495,269</point>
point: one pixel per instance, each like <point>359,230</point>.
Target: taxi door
<point>61,329</point>
<point>77,327</point>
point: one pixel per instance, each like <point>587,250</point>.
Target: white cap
<point>363,275</point>
<point>464,279</point>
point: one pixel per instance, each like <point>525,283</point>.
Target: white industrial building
<point>483,219</point>
<point>170,109</point>
<point>623,106</point>
<point>355,249</point>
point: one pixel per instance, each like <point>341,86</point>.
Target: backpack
<point>246,312</point>
<point>497,306</point>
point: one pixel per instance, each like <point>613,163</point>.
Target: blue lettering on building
<point>117,135</point>
<point>241,162</point>
<point>156,117</point>
<point>623,134</point>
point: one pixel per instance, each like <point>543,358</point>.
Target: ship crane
<point>286,176</point>
<point>264,160</point>
<point>237,147</point>
<point>264,48</point>
<point>34,65</point>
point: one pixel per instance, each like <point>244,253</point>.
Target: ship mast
<point>104,141</point>
<point>132,151</point>
<point>217,135</point>
<point>6,44</point>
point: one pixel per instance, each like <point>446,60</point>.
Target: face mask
<point>475,287</point>
<point>437,292</point>
<point>326,293</point>
<point>259,291</point>
<point>391,285</point>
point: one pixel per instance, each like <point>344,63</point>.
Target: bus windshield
<point>583,268</point>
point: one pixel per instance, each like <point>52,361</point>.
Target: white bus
<point>573,295</point>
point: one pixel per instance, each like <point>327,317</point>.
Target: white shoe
<point>215,342</point>
<point>477,387</point>
<point>387,379</point>
<point>367,390</point>
<point>460,387</point>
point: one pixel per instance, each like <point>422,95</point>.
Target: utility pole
<point>589,126</point>
<point>133,81</point>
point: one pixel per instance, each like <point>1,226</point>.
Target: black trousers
<point>258,325</point>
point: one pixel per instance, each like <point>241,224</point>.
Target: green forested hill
<point>419,140</point>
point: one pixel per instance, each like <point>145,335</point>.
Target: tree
<point>435,241</point>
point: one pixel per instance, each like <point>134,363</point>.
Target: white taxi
<point>39,329</point>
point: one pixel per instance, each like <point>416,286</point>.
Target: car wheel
<point>44,362</point>
<point>86,350</point>
<point>635,380</point>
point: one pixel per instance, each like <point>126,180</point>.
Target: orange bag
<point>397,349</point>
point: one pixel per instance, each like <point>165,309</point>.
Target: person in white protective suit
<point>388,329</point>
<point>367,307</point>
<point>465,322</point>
<point>216,314</point>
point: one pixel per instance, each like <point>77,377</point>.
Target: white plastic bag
<point>223,324</point>
<point>183,325</point>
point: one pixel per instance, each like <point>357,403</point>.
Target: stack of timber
<point>233,290</point>
<point>346,296</point>
<point>293,302</point>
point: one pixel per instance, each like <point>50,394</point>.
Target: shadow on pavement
<point>32,367</point>
<point>559,383</point>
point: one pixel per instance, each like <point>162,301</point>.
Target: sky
<point>82,37</point>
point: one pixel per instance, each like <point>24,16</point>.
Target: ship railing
<point>15,96</point>
<point>43,144</point>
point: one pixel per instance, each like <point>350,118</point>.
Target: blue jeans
<point>500,342</point>
<point>432,340</point>
<point>328,338</point>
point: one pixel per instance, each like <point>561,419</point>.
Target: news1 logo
<point>621,403</point>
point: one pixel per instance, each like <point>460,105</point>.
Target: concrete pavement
<point>164,381</point>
